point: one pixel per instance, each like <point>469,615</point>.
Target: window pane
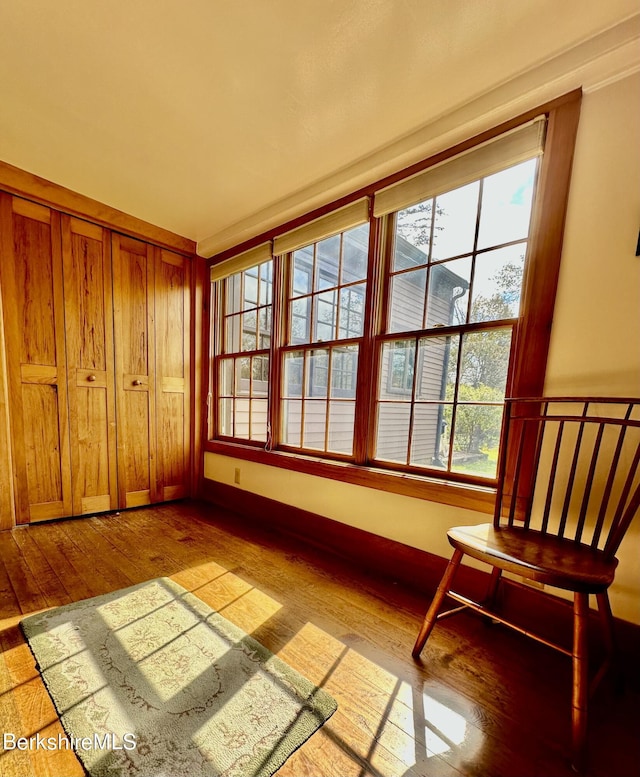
<point>393,431</point>
<point>407,301</point>
<point>243,376</point>
<point>396,370</point>
<point>260,372</point>
<point>506,205</point>
<point>315,423</point>
<point>233,285</point>
<point>292,422</point>
<point>476,438</point>
<point>264,323</point>
<point>341,423</point>
<point>355,254</point>
<point>300,310</point>
<point>430,436</point>
<point>484,364</point>
<point>241,418</point>
<point>317,374</point>
<point>413,234</point>
<point>249,325</point>
<point>293,366</point>
<point>225,417</point>
<point>232,338</point>
<point>264,317</point>
<point>266,283</point>
<point>302,268</point>
<point>455,222</point>
<point>325,316</point>
<point>448,296</point>
<point>344,370</point>
<point>352,311</point>
<point>327,263</point>
<point>497,284</point>
<point>251,288</point>
<point>259,419</point>
<point>226,378</point>
<point>436,368</point>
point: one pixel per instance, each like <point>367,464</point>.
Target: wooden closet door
<point>7,511</point>
<point>31,278</point>
<point>172,294</point>
<point>7,514</point>
<point>86,256</point>
<point>133,287</point>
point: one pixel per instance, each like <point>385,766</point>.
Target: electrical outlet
<point>236,476</point>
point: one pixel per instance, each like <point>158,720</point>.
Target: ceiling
<point>217,119</point>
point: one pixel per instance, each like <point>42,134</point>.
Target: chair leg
<point>432,613</point>
<point>606,620</point>
<point>580,667</point>
<point>492,588</point>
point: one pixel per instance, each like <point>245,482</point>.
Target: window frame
<point>224,355</point>
<point>531,332</point>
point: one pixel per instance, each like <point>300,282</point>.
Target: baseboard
<point>417,569</point>
<point>369,552</point>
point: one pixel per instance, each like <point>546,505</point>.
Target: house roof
<point>218,120</point>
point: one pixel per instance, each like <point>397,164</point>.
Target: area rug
<point>150,681</point>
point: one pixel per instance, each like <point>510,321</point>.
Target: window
<point>387,333</point>
<point>456,264</point>
<point>327,288</point>
<point>243,366</point>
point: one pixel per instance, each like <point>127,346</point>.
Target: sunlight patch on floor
<point>381,719</point>
<point>250,609</point>
<point>444,727</point>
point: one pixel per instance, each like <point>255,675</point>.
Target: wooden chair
<point>568,489</point>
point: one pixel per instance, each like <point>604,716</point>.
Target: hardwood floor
<point>484,700</point>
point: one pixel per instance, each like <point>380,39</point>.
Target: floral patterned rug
<point>150,681</point>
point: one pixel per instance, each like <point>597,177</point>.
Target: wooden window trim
<point>532,332</point>
<point>466,495</point>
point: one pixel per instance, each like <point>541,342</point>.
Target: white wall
<point>595,346</point>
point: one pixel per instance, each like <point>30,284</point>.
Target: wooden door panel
<point>33,269</point>
<point>170,307</point>
<point>172,290</point>
<point>42,444</point>
<point>88,263</point>
<point>89,337</point>
<point>93,475</point>
<point>136,440</point>
<point>173,425</point>
<point>134,289</point>
<point>133,274</point>
<point>33,308</point>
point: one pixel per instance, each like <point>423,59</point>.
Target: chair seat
<point>548,559</point>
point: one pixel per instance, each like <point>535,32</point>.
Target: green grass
<point>484,467</point>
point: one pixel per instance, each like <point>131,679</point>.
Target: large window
<point>325,304</point>
<point>456,266</point>
<point>243,366</point>
<point>387,334</point>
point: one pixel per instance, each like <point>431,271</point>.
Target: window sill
<point>470,497</point>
